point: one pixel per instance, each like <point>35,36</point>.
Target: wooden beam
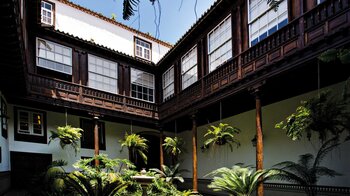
<point>96,140</point>
<point>194,154</point>
<point>259,139</point>
<point>161,159</point>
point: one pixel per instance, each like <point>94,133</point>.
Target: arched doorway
<point>153,154</point>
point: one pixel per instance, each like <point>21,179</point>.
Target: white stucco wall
<point>88,27</point>
<point>4,165</point>
<point>277,146</point>
<point>113,133</point>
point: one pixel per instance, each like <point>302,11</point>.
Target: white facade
<point>91,28</point>
<point>277,146</point>
<point>4,144</point>
<point>114,132</point>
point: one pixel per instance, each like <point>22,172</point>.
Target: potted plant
<point>170,173</point>
<point>136,145</point>
<point>221,135</point>
<point>174,147</point>
<point>67,135</point>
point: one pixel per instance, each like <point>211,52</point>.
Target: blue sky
<point>174,22</point>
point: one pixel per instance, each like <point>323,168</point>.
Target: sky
<point>175,18</point>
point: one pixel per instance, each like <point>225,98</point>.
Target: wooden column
<point>259,140</point>
<point>194,154</point>
<point>161,155</point>
<point>96,140</point>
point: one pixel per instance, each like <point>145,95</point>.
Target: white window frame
<point>167,84</point>
<point>194,66</point>
<point>102,68</point>
<point>30,130</point>
<point>143,49</point>
<point>3,116</point>
<point>280,18</point>
<point>47,11</point>
<point>56,62</point>
<point>218,48</point>
<point>142,85</point>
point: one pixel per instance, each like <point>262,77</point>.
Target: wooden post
<point>194,153</point>
<point>161,159</point>
<point>259,141</point>
<point>96,140</point>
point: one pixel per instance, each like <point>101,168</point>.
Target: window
<point>168,83</point>
<point>103,74</point>
<point>220,44</point>
<point>143,49</point>
<point>263,21</point>
<point>320,1</point>
<point>3,117</point>
<point>87,138</point>
<point>47,13</point>
<point>189,68</point>
<point>142,85</point>
<point>54,56</point>
<point>30,125</point>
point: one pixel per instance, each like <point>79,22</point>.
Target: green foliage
<point>332,55</point>
<point>174,147</point>
<point>239,180</point>
<point>53,180</point>
<point>136,145</point>
<point>102,180</point>
<point>323,114</point>
<point>161,187</point>
<point>67,135</point>
<point>129,7</point>
<point>221,135</point>
<point>170,174</point>
<point>307,170</point>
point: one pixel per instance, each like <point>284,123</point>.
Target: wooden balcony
<point>298,39</point>
<point>56,91</point>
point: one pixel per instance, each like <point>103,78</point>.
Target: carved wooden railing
<point>309,28</point>
<point>66,91</point>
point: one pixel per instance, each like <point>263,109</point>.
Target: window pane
<point>142,84</point>
<point>265,21</point>
<point>100,75</point>
<point>189,68</point>
<point>54,56</point>
<point>142,49</point>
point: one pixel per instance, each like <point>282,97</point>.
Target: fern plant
<point>136,145</point>
<point>67,135</point>
<point>102,180</point>
<point>324,115</point>
<point>174,147</point>
<point>239,180</point>
<point>221,135</point>
<point>308,169</point>
<point>170,173</point>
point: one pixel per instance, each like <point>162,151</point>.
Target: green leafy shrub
<point>136,145</point>
<point>221,135</point>
<point>67,135</point>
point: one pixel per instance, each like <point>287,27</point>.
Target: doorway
<point>26,169</point>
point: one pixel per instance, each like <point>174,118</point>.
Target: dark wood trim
<point>29,138</point>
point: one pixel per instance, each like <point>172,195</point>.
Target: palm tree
<point>170,173</point>
<point>129,7</point>
<point>221,135</point>
<point>174,147</point>
<point>136,145</point>
<point>240,181</point>
<point>101,180</point>
<point>307,170</point>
